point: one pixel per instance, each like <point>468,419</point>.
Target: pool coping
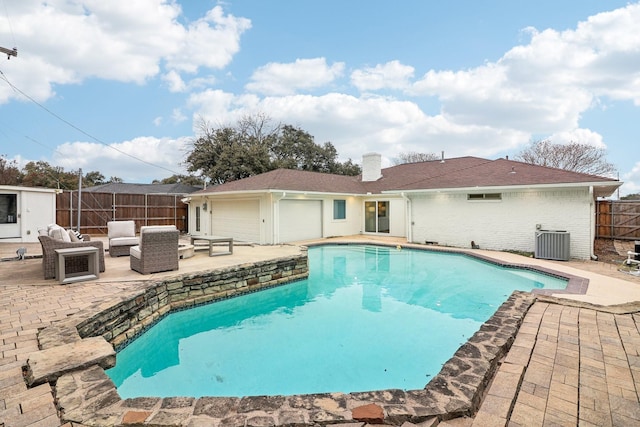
<point>576,285</point>
<point>88,396</point>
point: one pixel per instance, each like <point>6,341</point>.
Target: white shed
<point>23,210</point>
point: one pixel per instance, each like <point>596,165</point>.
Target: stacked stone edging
<point>89,397</point>
<point>124,321</point>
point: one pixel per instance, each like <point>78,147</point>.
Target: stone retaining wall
<point>124,321</point>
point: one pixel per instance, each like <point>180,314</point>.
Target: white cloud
<point>65,42</point>
<point>545,85</point>
<point>177,116</point>
<point>631,181</point>
<point>139,160</point>
<point>209,42</point>
<point>286,79</point>
<point>360,125</point>
<point>583,136</point>
<point>174,81</point>
<point>392,75</point>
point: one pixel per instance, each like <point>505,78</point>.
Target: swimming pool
<point>367,318</point>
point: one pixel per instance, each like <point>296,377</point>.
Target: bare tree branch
<point>574,156</point>
<point>414,157</point>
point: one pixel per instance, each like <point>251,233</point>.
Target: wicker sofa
<point>122,237</point>
<point>158,250</point>
<point>74,264</point>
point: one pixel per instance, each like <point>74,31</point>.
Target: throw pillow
<point>75,236</point>
<point>59,233</point>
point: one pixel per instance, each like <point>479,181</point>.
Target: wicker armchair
<point>74,264</point>
<point>158,250</point>
<point>122,237</point>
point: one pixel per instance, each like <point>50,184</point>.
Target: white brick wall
<point>450,219</point>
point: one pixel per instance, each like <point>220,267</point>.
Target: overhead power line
<point>4,77</point>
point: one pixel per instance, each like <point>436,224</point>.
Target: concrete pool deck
<point>575,359</point>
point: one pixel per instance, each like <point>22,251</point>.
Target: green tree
<point>93,178</point>
<point>180,179</point>
<point>42,174</point>
<point>226,154</point>
<point>9,172</point>
<point>575,157</point>
<point>634,196</point>
<point>414,157</point>
<point>255,146</point>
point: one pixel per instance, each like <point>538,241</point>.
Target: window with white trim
<point>339,209</point>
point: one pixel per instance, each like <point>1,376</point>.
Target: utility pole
<point>9,52</point>
<point>79,197</point>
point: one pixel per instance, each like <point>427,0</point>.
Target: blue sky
<point>122,86</point>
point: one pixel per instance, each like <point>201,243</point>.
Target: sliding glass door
<point>376,216</point>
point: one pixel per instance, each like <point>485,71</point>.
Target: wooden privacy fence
<point>99,208</point>
<point>618,219</point>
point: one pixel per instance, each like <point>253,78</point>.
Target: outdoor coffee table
<point>93,267</point>
<point>215,239</point>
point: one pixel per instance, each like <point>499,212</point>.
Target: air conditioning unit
<point>552,245</point>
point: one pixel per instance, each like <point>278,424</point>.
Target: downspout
<point>592,228</point>
<point>407,218</point>
<point>275,217</point>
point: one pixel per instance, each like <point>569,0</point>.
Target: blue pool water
<point>367,318</point>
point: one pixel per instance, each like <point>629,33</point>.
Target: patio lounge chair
<point>74,264</point>
<point>122,237</point>
<point>157,251</point>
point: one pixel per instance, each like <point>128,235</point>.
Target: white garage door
<point>300,220</point>
<point>239,219</point>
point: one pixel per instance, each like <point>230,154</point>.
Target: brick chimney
<point>371,167</point>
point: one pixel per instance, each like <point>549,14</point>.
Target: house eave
<point>30,189</point>
<point>602,189</point>
<point>274,191</point>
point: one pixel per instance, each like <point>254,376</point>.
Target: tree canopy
<point>575,156</point>
<point>9,172</point>
<point>42,174</point>
<point>634,196</point>
<point>179,179</point>
<point>253,146</point>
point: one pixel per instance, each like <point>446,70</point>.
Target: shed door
<point>9,218</point>
<point>239,219</point>
<point>300,220</point>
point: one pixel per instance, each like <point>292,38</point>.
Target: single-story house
<point>23,210</point>
<point>498,204</point>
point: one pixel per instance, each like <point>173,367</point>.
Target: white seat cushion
<point>135,252</point>
<point>121,229</point>
<point>156,228</point>
<point>124,241</point>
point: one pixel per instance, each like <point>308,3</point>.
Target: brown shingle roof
<point>462,172</point>
<point>292,180</point>
<point>500,173</point>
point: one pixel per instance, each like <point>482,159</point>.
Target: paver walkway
<point>569,366</point>
<point>571,363</point>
